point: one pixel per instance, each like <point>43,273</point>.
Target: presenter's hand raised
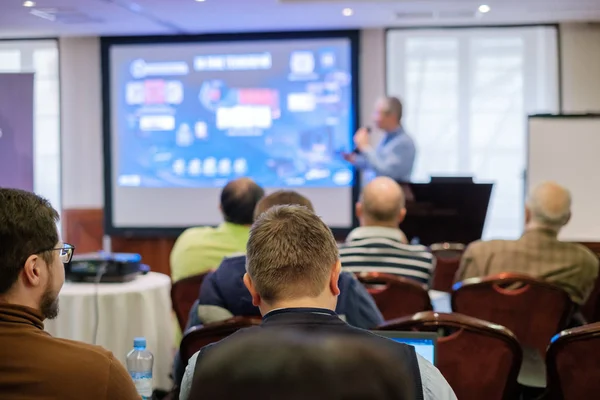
<point>350,157</point>
<point>361,138</point>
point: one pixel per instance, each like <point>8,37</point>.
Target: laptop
<point>425,343</point>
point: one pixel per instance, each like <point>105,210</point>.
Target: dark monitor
<point>446,210</point>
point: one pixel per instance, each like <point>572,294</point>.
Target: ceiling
<point>51,18</point>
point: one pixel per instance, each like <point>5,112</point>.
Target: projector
<point>105,267</point>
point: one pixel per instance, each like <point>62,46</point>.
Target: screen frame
<point>414,336</point>
<point>106,42</point>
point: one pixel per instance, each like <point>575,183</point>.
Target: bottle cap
<point>139,343</point>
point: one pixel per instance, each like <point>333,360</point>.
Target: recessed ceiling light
<point>200,1</point>
<point>29,4</point>
<point>346,12</point>
<point>484,8</point>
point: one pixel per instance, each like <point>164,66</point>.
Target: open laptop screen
<point>423,342</point>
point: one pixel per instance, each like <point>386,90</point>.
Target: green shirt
<point>201,249</point>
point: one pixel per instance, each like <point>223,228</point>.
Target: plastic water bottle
<point>139,365</point>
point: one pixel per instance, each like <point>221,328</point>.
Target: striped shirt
<point>384,250</point>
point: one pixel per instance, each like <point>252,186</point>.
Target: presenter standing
<point>395,155</point>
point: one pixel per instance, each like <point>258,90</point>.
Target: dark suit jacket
<point>225,288</point>
<point>316,320</point>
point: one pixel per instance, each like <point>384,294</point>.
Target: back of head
<point>394,107</point>
<point>27,226</point>
<point>382,202</point>
<point>286,365</point>
<point>290,254</point>
<point>238,200</point>
<point>549,205</point>
<point>280,198</point>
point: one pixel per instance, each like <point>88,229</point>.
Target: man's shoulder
<point>231,263</point>
<point>590,258</point>
<point>479,247</point>
<point>82,358</point>
<point>197,232</point>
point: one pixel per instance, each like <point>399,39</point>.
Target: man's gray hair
<point>394,106</point>
<point>550,205</point>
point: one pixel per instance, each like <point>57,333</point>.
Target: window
<point>467,93</point>
<point>41,58</point>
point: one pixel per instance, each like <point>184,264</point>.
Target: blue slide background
<point>283,155</point>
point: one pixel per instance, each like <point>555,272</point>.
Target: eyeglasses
<point>66,252</point>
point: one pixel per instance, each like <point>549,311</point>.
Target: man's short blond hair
<point>290,253</point>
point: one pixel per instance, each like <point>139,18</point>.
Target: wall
<point>580,63</point>
<point>81,105</point>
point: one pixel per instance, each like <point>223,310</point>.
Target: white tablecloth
<point>126,310</point>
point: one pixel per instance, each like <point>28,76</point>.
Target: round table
<point>127,310</point>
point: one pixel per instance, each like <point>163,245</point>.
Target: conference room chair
<point>447,257</point>
<point>183,295</point>
<point>479,360</point>
<point>573,365</point>
<point>197,337</point>
<point>591,309</point>
<point>533,309</point>
<point>396,296</point>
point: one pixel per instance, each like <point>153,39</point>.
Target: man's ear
<point>527,215</point>
<point>335,278</point>
<point>31,271</point>
<point>402,215</point>
<point>256,300</point>
<point>358,210</point>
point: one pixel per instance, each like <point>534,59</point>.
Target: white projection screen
<point>185,115</point>
<point>565,149</point>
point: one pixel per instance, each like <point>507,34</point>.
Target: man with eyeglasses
<point>33,364</point>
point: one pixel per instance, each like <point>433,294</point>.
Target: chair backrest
<point>447,257</point>
<point>534,310</point>
<point>183,295</point>
<point>197,337</point>
<point>591,308</point>
<point>396,296</point>
<point>478,359</point>
<point>573,365</point>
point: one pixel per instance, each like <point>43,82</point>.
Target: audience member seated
<point>225,287</point>
<point>379,245</point>
<point>538,252</point>
<point>201,249</point>
<point>293,272</point>
<point>316,367</point>
<point>224,295</point>
<point>33,364</point>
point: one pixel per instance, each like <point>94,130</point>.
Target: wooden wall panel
<point>154,251</point>
<point>84,228</point>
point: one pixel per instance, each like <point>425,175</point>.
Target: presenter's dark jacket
<point>225,288</point>
<point>34,365</point>
<point>316,320</point>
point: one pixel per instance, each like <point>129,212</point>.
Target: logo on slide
<point>302,63</point>
<point>138,69</point>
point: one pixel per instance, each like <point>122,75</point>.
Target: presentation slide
<point>186,118</point>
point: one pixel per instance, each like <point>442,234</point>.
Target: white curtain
<point>467,93</point>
